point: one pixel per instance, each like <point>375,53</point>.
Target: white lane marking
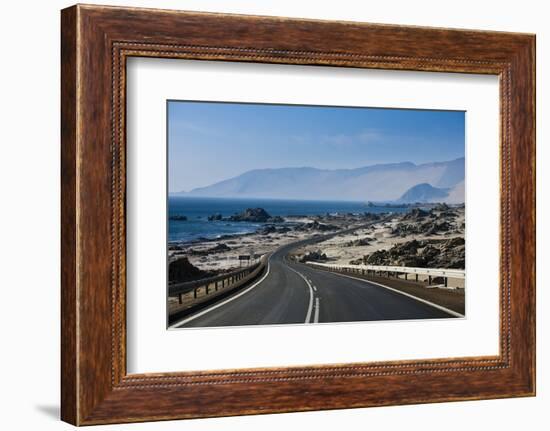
<point>314,288</point>
<point>316,316</point>
<point>439,307</point>
<point>310,306</point>
<point>231,298</point>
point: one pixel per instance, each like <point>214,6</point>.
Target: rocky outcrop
<point>178,217</point>
<point>315,226</point>
<point>276,219</point>
<point>448,253</point>
<point>415,214</point>
<point>315,256</point>
<point>181,270</point>
<point>251,215</point>
<point>269,229</point>
<point>214,217</point>
<point>426,223</point>
<point>360,242</point>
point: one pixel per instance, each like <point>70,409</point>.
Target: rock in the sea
<point>214,217</point>
<point>276,219</point>
<point>178,217</point>
<point>257,215</point>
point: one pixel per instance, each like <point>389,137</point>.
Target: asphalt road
<point>290,293</point>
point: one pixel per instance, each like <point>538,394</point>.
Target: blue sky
<point>211,142</point>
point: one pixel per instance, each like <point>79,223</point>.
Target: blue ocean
<point>197,210</point>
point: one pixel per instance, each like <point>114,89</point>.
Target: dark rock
<point>276,219</point>
<point>441,207</point>
<point>415,214</point>
<point>214,217</point>
<point>409,247</point>
<point>314,256</point>
<point>436,227</point>
<point>220,248</point>
<point>359,242</point>
<point>178,217</point>
<point>252,215</point>
<point>428,253</point>
<point>412,261</point>
<point>182,270</point>
<point>316,226</point>
<point>379,257</point>
<point>267,230</point>
<point>454,242</point>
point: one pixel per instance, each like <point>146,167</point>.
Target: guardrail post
<point>429,280</point>
<point>180,298</point>
<point>195,293</point>
<point>206,288</point>
<point>406,276</point>
<point>445,281</point>
<point>416,277</point>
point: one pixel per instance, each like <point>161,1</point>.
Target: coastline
<point>428,227</point>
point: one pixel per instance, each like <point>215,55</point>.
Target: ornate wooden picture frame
<point>96,41</point>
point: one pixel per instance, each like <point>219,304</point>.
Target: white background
<point>151,348</point>
<point>29,225</point>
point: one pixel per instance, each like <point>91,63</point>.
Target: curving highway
<point>290,292</point>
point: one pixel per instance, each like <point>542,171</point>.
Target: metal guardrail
<point>223,281</point>
<point>388,270</point>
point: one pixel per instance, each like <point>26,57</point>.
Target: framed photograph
<point>264,215</point>
<point>281,230</point>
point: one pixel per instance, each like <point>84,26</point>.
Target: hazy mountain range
<point>393,182</point>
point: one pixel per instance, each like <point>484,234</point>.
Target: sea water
<point>197,226</point>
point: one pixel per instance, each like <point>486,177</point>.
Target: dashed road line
<point>316,315</point>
